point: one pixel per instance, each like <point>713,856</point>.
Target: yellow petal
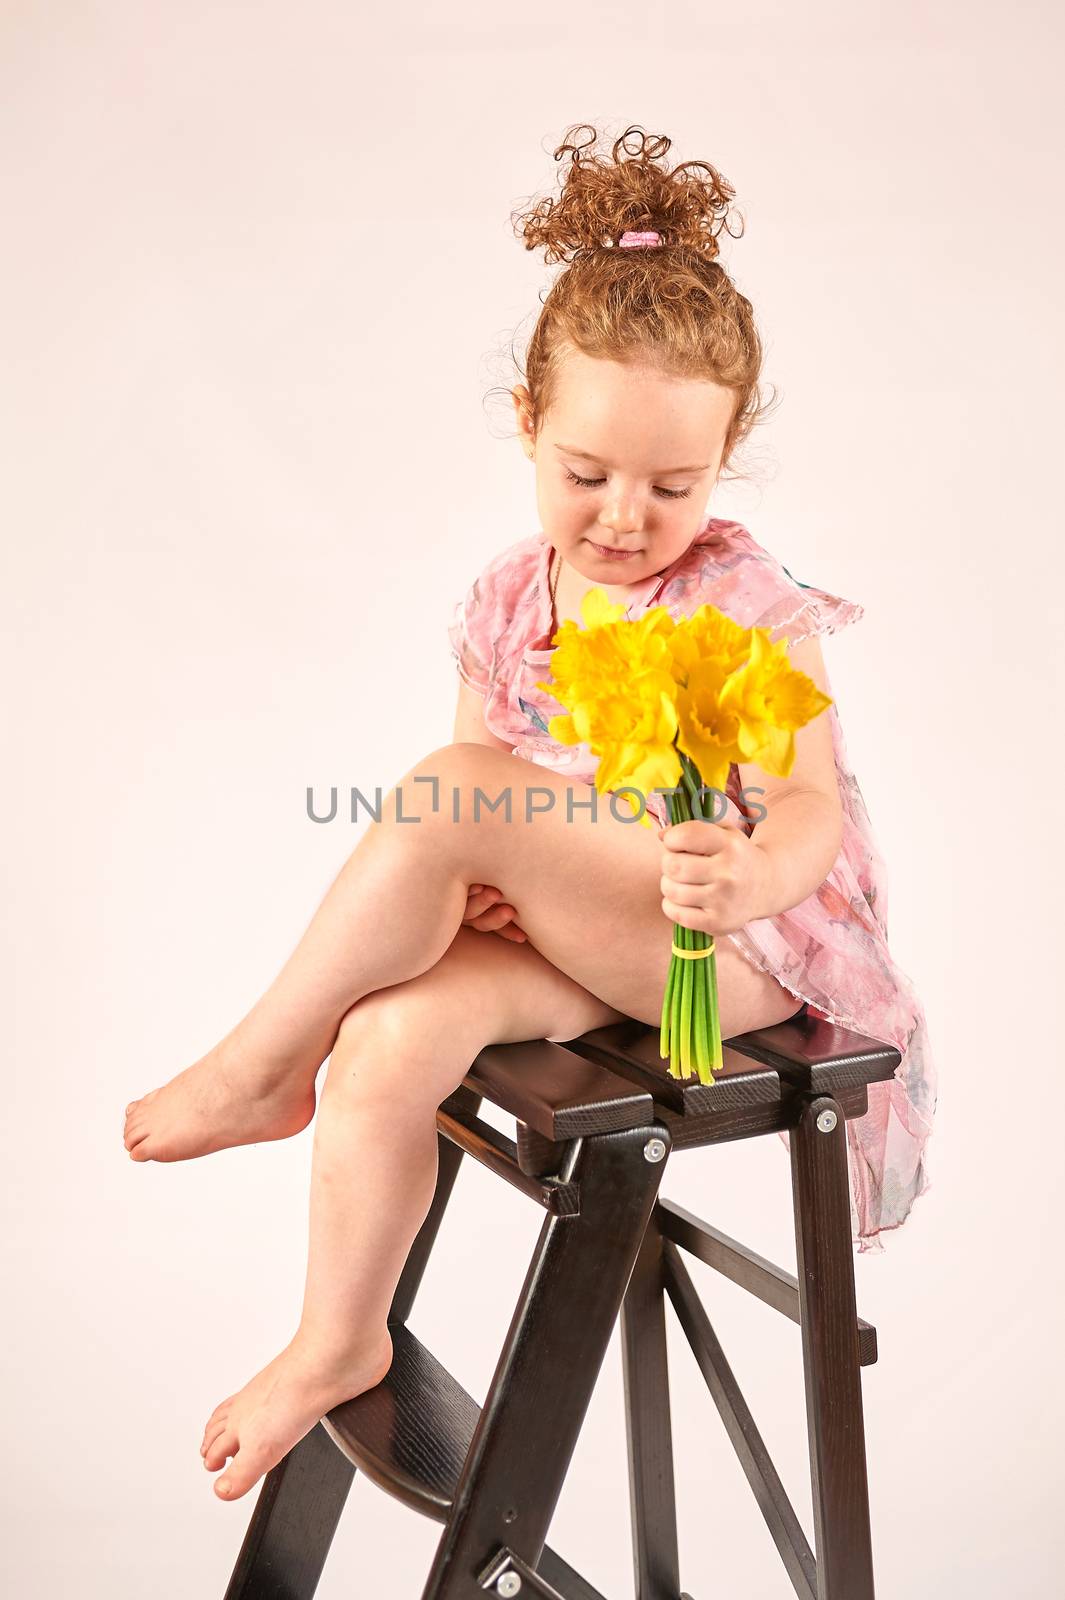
<point>597,608</point>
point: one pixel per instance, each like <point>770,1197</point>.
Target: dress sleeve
<point>794,610</point>
<point>745,580</point>
<point>467,646</point>
<point>481,619</point>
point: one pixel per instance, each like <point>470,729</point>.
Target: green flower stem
<point>699,1027</point>
<point>716,1061</point>
<point>692,785</point>
<point>699,802</point>
<point>696,1035</point>
<point>686,1004</point>
<point>677,1041</point>
<point>674,1019</point>
<point>667,1007</point>
<point>690,1031</point>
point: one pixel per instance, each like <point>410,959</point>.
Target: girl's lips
<point>612,555</point>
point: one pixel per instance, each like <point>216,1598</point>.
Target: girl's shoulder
<point>725,566</point>
<point>513,570</point>
<point>507,592</point>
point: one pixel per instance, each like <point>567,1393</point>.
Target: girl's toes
<point>214,1432</point>
<point>215,1426</point>
<point>220,1449</point>
<point>239,1477</point>
<point>219,1412</point>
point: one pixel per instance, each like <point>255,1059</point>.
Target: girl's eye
<point>592,483</point>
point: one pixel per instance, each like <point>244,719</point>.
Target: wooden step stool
<point>596,1119</point>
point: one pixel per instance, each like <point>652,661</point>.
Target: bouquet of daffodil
<point>671,705</point>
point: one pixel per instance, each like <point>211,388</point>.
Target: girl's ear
<point>523,411</point>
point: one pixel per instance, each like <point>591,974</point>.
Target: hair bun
<point>604,197</point>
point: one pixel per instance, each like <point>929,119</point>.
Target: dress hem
<point>861,1238</point>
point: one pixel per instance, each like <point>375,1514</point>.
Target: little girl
<point>642,379</point>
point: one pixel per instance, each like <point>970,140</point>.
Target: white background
<point>259,281</point>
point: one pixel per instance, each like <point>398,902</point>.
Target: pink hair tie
<point>632,240</point>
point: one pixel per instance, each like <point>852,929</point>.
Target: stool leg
<point>829,1318</point>
<point>301,1500</point>
<point>293,1524</point>
<point>652,1501</point>
<point>531,1419</point>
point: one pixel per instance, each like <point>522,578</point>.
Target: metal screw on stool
<point>826,1121</point>
<point>654,1150</point>
<point>508,1583</point>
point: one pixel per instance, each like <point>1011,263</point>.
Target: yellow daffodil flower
<point>671,705</point>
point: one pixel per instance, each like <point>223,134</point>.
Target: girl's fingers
<point>684,894</point>
<point>478,903</point>
<point>488,918</point>
<point>484,892</point>
<point>493,919</point>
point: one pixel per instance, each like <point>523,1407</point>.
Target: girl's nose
<point>623,516</point>
<point>620,529</point>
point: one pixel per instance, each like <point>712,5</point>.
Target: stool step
<point>411,1433</point>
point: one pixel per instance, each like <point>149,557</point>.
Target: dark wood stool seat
<point>596,1119</point>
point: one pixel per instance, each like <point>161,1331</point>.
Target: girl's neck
<point>571,587</point>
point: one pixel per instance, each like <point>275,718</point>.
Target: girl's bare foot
<point>283,1402</point>
<point>218,1102</point>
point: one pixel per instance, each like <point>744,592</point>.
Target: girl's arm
<point>801,837</point>
<point>469,721</point>
<point>803,831</point>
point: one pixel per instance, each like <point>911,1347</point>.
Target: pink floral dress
<point>831,950</point>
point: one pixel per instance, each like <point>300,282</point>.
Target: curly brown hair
<point>673,308</point>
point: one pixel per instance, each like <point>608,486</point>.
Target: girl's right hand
<point>489,913</point>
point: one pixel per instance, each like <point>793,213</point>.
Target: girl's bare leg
<point>586,885</point>
<point>402,1045</point>
<point>398,1054</point>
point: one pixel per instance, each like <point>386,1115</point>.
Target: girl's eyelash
<point>590,483</point>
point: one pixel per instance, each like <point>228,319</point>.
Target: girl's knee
<point>461,763</point>
<point>412,1040</point>
<point>379,1028</point>
<point>430,1029</point>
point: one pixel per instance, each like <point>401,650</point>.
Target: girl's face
<point>625,461</point>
